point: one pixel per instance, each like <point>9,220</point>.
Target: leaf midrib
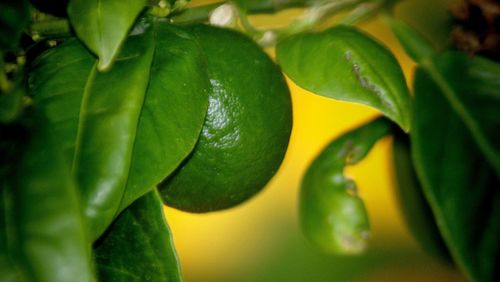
<point>463,113</point>
<point>441,221</point>
<point>81,119</point>
<point>146,90</point>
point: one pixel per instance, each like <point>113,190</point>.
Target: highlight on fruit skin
<point>246,130</point>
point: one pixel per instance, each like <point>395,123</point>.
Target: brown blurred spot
<point>477,27</point>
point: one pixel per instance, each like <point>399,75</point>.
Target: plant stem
<point>196,14</point>
<point>50,29</point>
<point>363,11</point>
<point>202,13</point>
<point>317,12</point>
<point>315,15</point>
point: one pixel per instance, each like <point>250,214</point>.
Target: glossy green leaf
<point>346,64</point>
<point>107,110</point>
<point>43,232</point>
<point>332,215</point>
<point>138,246</point>
<point>459,183</point>
<point>173,113</point>
<point>471,86</point>
<point>415,209</point>
<point>109,113</point>
<point>127,129</point>
<point>103,25</point>
<point>14,18</point>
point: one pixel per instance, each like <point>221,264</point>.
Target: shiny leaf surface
<point>459,183</point>
<point>173,112</point>
<point>140,229</point>
<point>346,64</point>
<point>105,120</point>
<point>103,25</point>
<point>123,134</point>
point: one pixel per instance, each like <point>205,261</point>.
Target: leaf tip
<point>104,64</point>
<point>405,126</point>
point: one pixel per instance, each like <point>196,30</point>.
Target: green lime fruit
<point>246,130</point>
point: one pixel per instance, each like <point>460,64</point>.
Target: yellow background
<point>261,241</point>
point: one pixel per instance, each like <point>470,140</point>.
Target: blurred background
<point>261,240</point>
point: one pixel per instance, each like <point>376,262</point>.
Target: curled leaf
<point>333,217</point>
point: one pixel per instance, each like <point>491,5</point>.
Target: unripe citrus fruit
<point>246,130</point>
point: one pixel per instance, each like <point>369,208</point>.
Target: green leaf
<point>173,113</point>
<point>43,233</point>
<point>471,86</point>
<point>125,130</point>
<point>138,245</point>
<point>14,17</point>
<point>414,44</point>
<point>346,64</point>
<point>103,25</point>
<point>332,215</point>
<point>415,209</point>
<point>107,127</point>
<point>459,183</point>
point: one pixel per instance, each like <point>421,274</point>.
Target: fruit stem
<point>317,14</point>
<point>202,13</point>
<point>362,12</point>
<point>49,29</point>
